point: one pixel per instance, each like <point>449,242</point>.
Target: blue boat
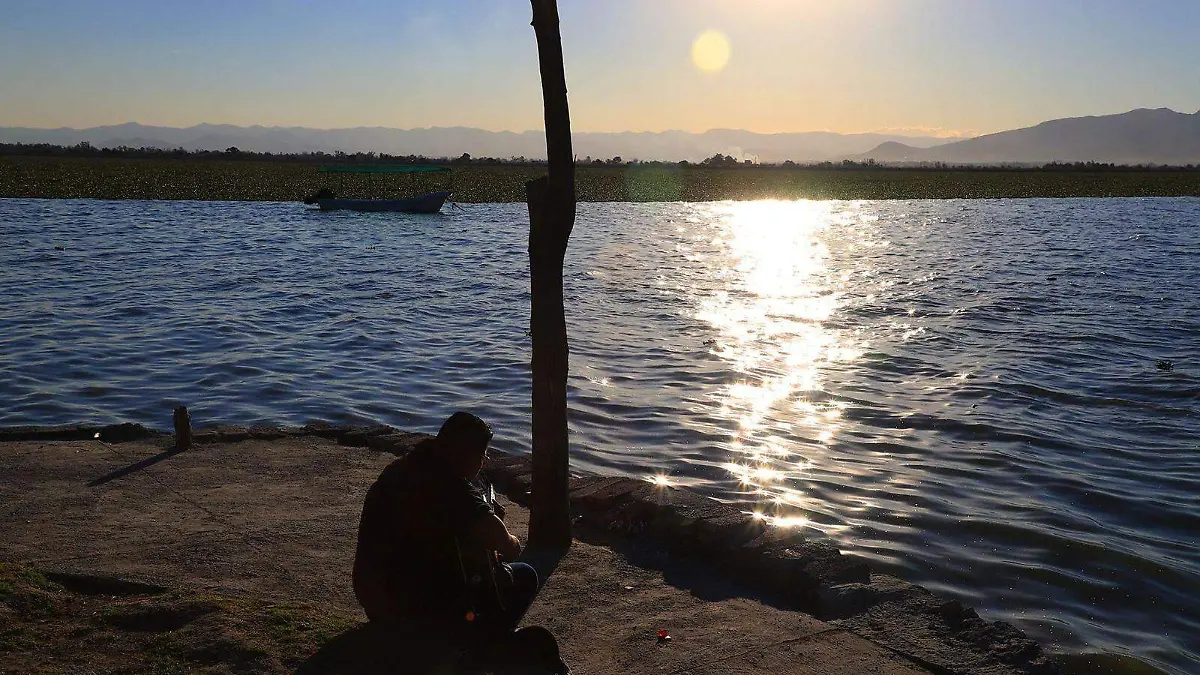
<point>326,200</point>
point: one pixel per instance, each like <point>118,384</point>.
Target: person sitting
<point>430,539</point>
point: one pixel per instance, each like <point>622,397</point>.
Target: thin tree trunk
<point>551,201</point>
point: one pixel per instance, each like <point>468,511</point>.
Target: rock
<point>221,434</point>
<point>399,443</point>
<point>236,434</point>
<point>323,430</point>
<point>499,467</point>
<point>358,437</point>
<point>783,571</point>
<point>839,568</point>
<point>606,493</point>
<point>844,600</point>
<point>579,482</point>
<point>916,623</point>
<point>122,433</point>
<point>684,508</point>
<point>800,571</point>
<point>518,487</point>
<point>511,474</point>
<point>113,433</point>
<point>727,531</point>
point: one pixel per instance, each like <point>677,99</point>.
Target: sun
<point>710,51</point>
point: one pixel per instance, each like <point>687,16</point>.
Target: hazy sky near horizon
<point>946,67</point>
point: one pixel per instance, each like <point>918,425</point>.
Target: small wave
<point>977,404</point>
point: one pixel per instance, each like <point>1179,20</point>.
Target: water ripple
<point>963,392</point>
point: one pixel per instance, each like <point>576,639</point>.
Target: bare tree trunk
<point>551,201</point>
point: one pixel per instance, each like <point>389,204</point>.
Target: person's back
<point>406,561</point>
<point>418,517</point>
<point>423,521</point>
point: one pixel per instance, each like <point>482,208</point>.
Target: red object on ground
<point>664,636</point>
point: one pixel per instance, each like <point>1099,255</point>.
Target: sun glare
<point>773,297</point>
<point>710,51</point>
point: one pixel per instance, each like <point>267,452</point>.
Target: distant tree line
<point>717,161</point>
<point>86,149</point>
<point>1102,166</point>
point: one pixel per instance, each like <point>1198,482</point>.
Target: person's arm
<point>491,533</point>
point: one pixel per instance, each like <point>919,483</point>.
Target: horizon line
<point>902,131</point>
<point>886,131</point>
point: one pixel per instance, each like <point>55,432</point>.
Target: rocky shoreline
<point>812,576</point>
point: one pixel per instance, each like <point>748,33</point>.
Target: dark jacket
<point>407,563</point>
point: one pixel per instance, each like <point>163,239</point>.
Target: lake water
<point>964,392</point>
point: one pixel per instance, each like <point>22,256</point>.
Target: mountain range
<point>1143,136</point>
<point>454,141</point>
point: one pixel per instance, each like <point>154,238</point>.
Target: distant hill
<point>454,141</point>
<point>1143,136</point>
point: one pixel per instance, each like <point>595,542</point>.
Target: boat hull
<point>430,203</point>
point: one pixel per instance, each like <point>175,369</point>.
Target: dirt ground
<point>273,524</point>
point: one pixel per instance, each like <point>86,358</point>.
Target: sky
<point>927,67</point>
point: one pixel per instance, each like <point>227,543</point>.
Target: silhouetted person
<point>427,538</point>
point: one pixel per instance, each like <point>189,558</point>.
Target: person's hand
<point>513,550</point>
<point>499,509</point>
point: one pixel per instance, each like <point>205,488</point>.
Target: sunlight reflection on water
<point>771,308</point>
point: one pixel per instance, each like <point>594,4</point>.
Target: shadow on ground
<point>688,573</point>
<point>368,649</point>
<point>167,453</point>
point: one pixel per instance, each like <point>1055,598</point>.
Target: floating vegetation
<point>119,178</point>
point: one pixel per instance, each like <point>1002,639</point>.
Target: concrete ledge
<point>343,434</point>
<point>784,561</point>
<point>112,433</point>
<point>939,634</point>
<point>812,575</point>
<point>911,620</point>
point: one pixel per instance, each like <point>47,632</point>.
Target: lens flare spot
<point>790,522</point>
<point>710,51</point>
<point>767,474</point>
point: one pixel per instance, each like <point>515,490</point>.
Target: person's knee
<point>525,577</point>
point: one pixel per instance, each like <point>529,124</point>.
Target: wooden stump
<point>183,428</point>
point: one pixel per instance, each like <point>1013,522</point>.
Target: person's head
<point>464,438</point>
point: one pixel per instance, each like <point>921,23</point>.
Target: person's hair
<point>463,430</point>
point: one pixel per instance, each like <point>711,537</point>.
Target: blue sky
<point>943,66</point>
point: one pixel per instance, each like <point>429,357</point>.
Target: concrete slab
<point>278,519</point>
